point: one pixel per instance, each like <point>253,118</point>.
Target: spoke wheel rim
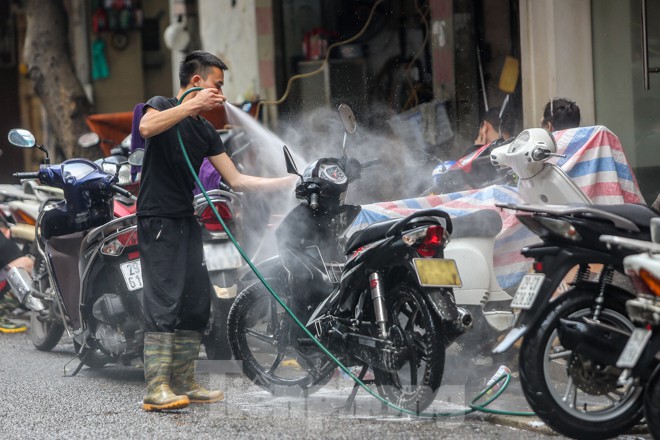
<point>567,395</point>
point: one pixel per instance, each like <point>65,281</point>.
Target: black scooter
<point>383,301</point>
<point>640,358</point>
<point>574,334</point>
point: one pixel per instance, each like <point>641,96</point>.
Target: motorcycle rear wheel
<point>416,384</point>
<point>46,327</point>
<point>652,404</point>
<point>259,331</point>
<point>549,386</point>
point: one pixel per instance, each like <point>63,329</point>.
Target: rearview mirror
<point>347,118</point>
<point>290,164</point>
<point>21,138</point>
<point>136,157</point>
<point>89,140</point>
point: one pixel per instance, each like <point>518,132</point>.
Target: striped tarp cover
<point>594,159</point>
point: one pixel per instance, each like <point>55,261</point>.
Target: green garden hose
<point>473,404</point>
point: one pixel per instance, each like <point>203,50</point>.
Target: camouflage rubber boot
<point>157,369</point>
<point>186,351</point>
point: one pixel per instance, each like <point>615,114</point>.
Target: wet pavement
<point>41,401</point>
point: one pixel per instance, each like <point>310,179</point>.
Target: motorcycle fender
<point>442,304</point>
<point>269,266</point>
<point>511,338</point>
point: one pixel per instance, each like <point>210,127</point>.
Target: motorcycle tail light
<point>209,220</point>
<point>544,226</point>
<point>116,246</point>
<point>538,266</point>
<point>428,240</point>
<point>23,217</point>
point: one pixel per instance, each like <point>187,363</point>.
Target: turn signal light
<point>116,246</point>
<point>651,282</point>
<point>23,217</point>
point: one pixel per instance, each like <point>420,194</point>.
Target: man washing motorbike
<point>176,282</point>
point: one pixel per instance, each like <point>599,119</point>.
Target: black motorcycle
<point>87,273</point>
<point>640,358</point>
<point>574,334</point>
<point>384,301</point>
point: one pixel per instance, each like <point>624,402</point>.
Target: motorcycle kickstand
<point>350,401</point>
<point>82,361</point>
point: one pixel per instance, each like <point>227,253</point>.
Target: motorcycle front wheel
<point>652,404</point>
<point>46,326</point>
<point>414,326</point>
<point>573,395</point>
<point>259,332</point>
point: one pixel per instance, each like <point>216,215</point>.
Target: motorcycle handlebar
<point>117,151</point>
<point>121,191</point>
<point>223,186</point>
<point>26,175</point>
<point>540,154</point>
<point>314,201</point>
<point>371,163</point>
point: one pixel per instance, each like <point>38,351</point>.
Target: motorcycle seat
<point>640,215</point>
<point>369,234</point>
<point>482,223</point>
<point>380,230</point>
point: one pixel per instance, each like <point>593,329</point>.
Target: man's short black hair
<point>506,125</point>
<point>562,113</point>
<point>199,63</point>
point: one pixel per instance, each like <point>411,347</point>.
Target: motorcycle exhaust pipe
<point>464,318</point>
<point>21,285</point>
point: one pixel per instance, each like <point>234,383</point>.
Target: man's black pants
<point>176,282</point>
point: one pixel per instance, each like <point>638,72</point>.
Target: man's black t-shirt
<point>166,187</point>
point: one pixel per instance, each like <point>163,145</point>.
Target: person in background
<point>560,114</point>
<point>10,256</point>
<point>176,294</point>
<point>492,129</point>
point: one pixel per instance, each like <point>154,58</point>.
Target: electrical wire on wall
<point>323,64</point>
<point>413,98</point>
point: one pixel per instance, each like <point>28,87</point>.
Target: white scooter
<point>21,205</point>
<point>472,243</point>
<point>538,181</point>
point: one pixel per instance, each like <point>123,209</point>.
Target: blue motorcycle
<point>87,276</point>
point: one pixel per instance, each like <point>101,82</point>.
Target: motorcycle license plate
<point>634,348</point>
<point>527,291</point>
<point>437,272</point>
<point>222,255</point>
<point>132,272</point>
